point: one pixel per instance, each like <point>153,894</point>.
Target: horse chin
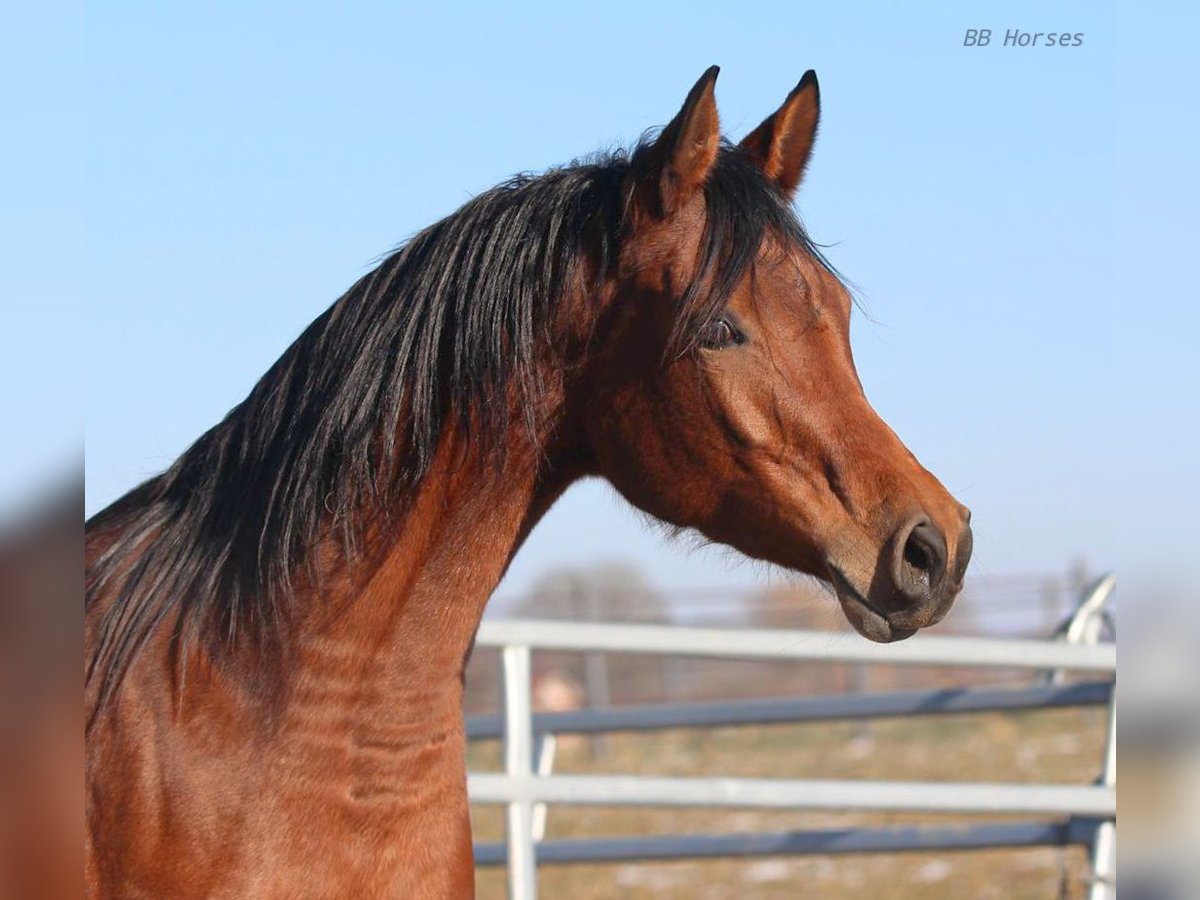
<point>863,616</point>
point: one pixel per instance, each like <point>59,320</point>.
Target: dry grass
<point>1051,746</point>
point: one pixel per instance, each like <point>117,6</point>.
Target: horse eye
<point>720,333</point>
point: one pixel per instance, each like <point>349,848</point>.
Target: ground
<point>1063,746</point>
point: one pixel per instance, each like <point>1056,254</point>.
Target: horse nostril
<point>917,555</point>
<point>922,562</point>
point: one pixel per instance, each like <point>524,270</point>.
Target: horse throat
<point>370,742</point>
<point>387,666</point>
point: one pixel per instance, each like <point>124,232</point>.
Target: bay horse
<point>276,627</point>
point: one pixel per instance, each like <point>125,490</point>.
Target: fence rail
<point>830,708</point>
<point>1087,812</point>
<point>783,645</point>
<point>1076,831</point>
<point>795,793</point>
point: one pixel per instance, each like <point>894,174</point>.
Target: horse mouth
<point>867,619</point>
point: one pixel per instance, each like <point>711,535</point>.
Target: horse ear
<point>783,143</point>
<point>680,160</point>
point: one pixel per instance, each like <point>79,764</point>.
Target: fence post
<point>1104,843</point>
<point>595,671</point>
<point>1084,625</point>
<point>547,747</point>
<point>1085,622</point>
<point>518,766</point>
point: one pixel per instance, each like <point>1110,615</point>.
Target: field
<point>1043,746</point>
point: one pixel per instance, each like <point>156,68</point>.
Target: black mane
<point>347,420</point>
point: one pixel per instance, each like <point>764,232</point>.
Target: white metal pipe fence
<point>1089,811</point>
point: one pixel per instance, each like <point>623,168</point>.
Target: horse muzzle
<point>914,585</point>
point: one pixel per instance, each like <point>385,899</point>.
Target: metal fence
<point>1086,813</point>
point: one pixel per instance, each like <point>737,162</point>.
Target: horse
<point>276,626</point>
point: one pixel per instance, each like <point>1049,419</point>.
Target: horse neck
<point>397,647</point>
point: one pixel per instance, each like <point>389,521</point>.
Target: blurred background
<point>186,187</point>
<point>1037,746</point>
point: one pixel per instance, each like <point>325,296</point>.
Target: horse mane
<point>455,323</point>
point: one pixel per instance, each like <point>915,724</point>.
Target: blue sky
<point>246,162</point>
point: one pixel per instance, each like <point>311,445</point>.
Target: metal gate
<point>1085,814</point>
